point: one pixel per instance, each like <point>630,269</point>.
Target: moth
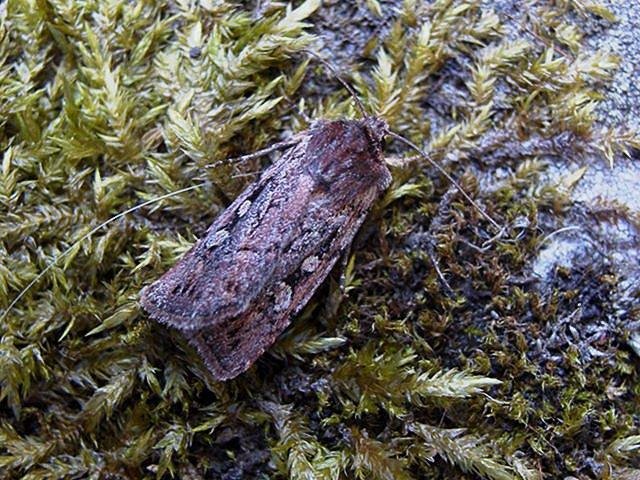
<point>235,291</point>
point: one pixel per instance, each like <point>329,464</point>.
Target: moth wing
<point>231,347</point>
<point>201,285</point>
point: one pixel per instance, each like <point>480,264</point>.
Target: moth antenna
<point>87,235</point>
<point>450,178</point>
<point>258,153</point>
<point>345,84</point>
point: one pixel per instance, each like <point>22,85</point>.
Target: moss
<point>104,105</point>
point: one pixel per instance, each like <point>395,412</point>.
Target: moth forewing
<point>261,261</point>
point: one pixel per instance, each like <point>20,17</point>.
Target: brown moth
<point>235,291</point>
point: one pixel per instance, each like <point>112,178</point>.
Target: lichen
<point>435,355</point>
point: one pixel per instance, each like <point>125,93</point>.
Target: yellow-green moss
<point>107,104</point>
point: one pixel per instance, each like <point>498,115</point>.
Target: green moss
<point>104,105</point>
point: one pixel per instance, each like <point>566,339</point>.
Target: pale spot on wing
<point>244,208</point>
<point>283,297</point>
<point>216,239</point>
<point>310,264</point>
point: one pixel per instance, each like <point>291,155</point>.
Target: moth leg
<point>260,153</point>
